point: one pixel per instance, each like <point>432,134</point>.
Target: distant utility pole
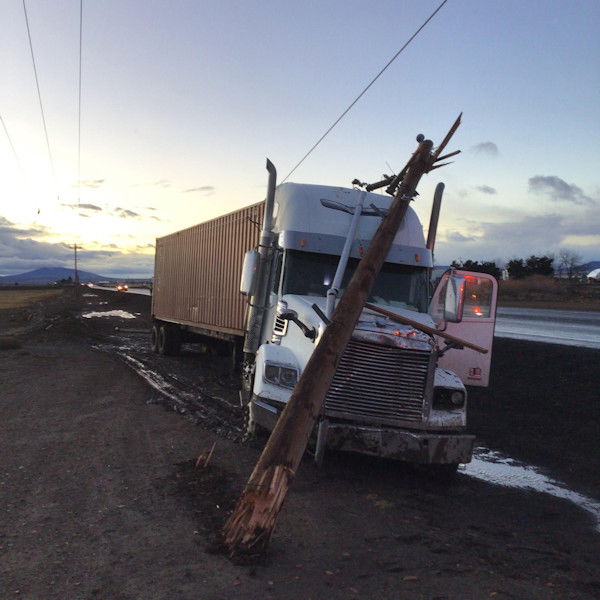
<point>76,272</point>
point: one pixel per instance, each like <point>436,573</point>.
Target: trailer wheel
<point>169,339</point>
<point>161,343</point>
<point>154,338</point>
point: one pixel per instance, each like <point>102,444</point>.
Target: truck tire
<point>168,339</point>
<point>443,473</point>
<point>154,338</point>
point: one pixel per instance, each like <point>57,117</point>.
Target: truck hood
<point>371,326</point>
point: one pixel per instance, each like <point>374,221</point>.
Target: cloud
<point>488,148</point>
<point>455,236</point>
<point>19,255</point>
<point>521,236</point>
<point>8,227</point>
<point>162,183</point>
<point>486,189</point>
<point>205,189</point>
<point>82,206</point>
<point>124,213</point>
<point>91,184</point>
<point>558,189</point>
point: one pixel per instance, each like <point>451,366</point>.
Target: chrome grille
<point>378,383</point>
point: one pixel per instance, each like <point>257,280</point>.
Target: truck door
<point>480,292</point>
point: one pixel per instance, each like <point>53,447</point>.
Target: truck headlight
<point>280,375</point>
<point>457,398</point>
<point>446,399</point>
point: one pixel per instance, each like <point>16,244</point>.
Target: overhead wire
<point>79,106</point>
<point>37,84</point>
<point>12,146</point>
<point>76,269</point>
<point>364,91</point>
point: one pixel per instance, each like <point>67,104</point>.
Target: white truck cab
<point>398,391</point>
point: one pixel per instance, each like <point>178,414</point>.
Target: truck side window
<point>478,297</point>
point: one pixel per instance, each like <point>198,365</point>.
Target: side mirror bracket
<point>291,315</point>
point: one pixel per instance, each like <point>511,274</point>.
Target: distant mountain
<point>588,267</point>
<point>50,275</point>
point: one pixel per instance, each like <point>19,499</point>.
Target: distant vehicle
<point>122,287</point>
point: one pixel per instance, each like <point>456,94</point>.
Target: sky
<point>182,101</point>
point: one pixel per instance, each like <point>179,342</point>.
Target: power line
<point>412,37</point>
<point>12,146</point>
<point>79,106</point>
<point>37,84</point>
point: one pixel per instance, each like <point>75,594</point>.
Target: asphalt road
<point>567,327</point>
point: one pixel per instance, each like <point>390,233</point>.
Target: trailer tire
<point>168,339</point>
<point>154,338</point>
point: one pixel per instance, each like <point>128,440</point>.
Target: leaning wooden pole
<point>248,530</point>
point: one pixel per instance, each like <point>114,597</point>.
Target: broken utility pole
<point>247,532</point>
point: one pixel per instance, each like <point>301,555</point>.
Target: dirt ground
<point>100,498</point>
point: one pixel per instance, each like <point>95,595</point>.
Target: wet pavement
<point>566,327</point>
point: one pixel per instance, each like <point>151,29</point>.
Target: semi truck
<point>265,280</point>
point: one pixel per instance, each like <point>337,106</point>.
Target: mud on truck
<point>266,279</point>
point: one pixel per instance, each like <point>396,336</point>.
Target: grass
<point>16,298</point>
<point>547,292</point>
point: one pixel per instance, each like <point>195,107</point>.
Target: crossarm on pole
<point>425,328</point>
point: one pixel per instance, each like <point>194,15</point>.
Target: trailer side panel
<point>197,272</point>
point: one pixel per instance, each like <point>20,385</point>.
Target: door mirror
<point>249,273</point>
<point>454,299</point>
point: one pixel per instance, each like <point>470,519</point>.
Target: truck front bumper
<point>409,446</point>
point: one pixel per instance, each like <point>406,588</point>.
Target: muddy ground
<point>99,496</point>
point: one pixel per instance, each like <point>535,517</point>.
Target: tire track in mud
<point>175,391</point>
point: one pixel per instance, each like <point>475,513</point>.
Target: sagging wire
<point>364,91</point>
<point>39,94</point>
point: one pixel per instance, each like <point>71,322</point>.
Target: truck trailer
<point>266,278</point>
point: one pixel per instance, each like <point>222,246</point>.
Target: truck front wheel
<point>443,473</point>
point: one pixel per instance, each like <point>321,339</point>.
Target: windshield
<point>311,274</point>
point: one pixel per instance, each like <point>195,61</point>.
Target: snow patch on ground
<point>108,313</point>
<point>498,469</point>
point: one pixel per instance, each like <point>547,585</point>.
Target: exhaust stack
<point>258,302</point>
<point>435,215</point>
